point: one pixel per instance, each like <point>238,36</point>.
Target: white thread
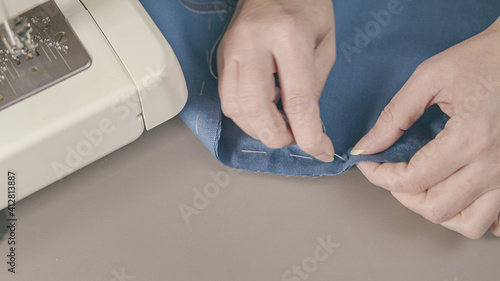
<point>253,151</point>
<point>202,88</point>
<point>300,156</point>
<point>197,118</point>
<point>212,53</point>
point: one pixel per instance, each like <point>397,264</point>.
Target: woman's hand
<point>294,38</point>
<point>455,179</point>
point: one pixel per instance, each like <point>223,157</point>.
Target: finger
<point>495,228</point>
<point>432,164</point>
<point>448,198</point>
<point>400,114</point>
<point>228,86</point>
<point>300,96</point>
<point>325,58</point>
<point>474,221</point>
<point>256,95</point>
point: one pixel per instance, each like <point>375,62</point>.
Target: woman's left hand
<point>455,179</point>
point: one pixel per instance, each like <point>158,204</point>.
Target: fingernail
<point>363,145</point>
<point>325,158</point>
<point>357,151</point>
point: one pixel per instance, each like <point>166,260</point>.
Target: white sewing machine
<point>78,80</point>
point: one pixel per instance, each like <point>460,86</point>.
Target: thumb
<point>399,115</point>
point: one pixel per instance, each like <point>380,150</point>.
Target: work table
<point>163,208</point>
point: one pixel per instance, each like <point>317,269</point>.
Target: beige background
<point>119,219</point>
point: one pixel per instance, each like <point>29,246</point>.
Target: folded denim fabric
<point>379,45</point>
<point>209,6</point>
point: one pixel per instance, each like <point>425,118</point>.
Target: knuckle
<point>396,181</point>
<point>388,115</point>
<point>251,107</point>
<point>297,105</point>
<point>288,38</point>
<point>286,21</point>
<point>435,69</point>
<point>416,186</point>
<point>394,115</point>
<point>238,38</point>
<point>272,138</point>
<point>274,142</point>
<point>404,181</point>
<point>309,144</point>
<point>416,182</point>
<point>420,158</point>
<point>436,214</point>
<point>472,228</point>
<point>230,108</point>
<point>472,231</point>
<point>252,25</point>
<point>228,43</point>
<point>425,72</point>
<point>242,29</point>
<point>446,70</point>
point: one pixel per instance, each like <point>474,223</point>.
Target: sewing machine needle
<point>5,15</point>
<point>11,39</point>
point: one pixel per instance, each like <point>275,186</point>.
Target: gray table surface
<point>119,219</point>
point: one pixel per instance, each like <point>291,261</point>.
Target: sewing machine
<point>78,80</point>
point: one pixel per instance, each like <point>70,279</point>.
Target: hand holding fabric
<point>296,40</point>
<point>455,179</point>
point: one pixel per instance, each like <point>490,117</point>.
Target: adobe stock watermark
<point>310,264</point>
<point>121,108</point>
<point>484,90</point>
<point>121,276</point>
<point>203,196</point>
<point>223,8</point>
<point>372,29</point>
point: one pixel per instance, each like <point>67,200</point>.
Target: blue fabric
<point>369,71</point>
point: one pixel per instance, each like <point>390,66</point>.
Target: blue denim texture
<point>209,6</point>
<point>359,87</point>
